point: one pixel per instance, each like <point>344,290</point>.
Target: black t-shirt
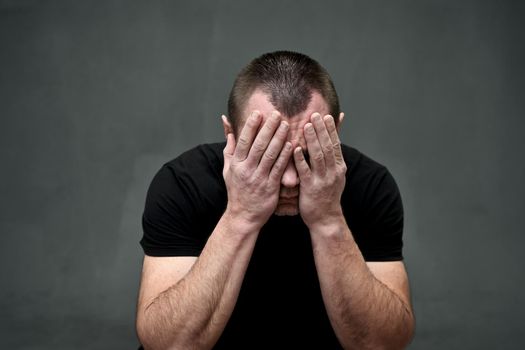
<point>280,304</point>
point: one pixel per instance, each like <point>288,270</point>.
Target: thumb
<point>229,149</point>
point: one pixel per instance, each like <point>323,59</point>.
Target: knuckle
<point>258,178</point>
<point>318,157</point>
<point>243,174</point>
<point>276,170</point>
<point>281,162</point>
<point>270,155</point>
<point>328,150</point>
<point>269,125</point>
<point>274,175</point>
<point>243,140</point>
<point>258,146</point>
<point>307,177</point>
<point>249,182</point>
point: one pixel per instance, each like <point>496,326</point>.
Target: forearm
<point>365,313</point>
<point>193,313</point>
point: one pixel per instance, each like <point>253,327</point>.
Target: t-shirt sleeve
<point>169,224</point>
<point>383,238</point>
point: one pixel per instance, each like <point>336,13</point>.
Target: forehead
<point>260,101</point>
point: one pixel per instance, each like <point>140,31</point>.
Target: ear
<point>228,129</point>
<point>340,121</point>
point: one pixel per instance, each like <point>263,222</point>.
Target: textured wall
<point>95,96</point>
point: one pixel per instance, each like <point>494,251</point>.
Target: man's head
<point>288,78</point>
<point>296,86</point>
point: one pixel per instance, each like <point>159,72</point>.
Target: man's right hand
<point>253,168</point>
<point>170,312</point>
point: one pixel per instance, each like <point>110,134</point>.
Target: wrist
<point>333,225</point>
<point>239,222</point>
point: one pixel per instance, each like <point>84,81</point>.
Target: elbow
<point>151,341</point>
<point>397,338</point>
<point>154,335</point>
<point>150,336</point>
<point>410,329</point>
<point>144,333</point>
<point>403,336</point>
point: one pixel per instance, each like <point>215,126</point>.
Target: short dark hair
<point>289,78</point>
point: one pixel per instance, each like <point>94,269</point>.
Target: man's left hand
<point>323,180</point>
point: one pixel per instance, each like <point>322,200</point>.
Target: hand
<point>323,181</point>
<point>253,167</point>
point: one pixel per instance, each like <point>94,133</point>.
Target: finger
<point>324,139</point>
<point>334,136</point>
<point>248,133</point>
<point>303,170</point>
<point>280,164</point>
<point>263,138</point>
<point>317,160</point>
<point>274,149</point>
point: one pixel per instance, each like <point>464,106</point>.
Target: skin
<point>288,203</point>
<point>185,302</point>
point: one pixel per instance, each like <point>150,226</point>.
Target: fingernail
<point>308,127</point>
<point>283,126</point>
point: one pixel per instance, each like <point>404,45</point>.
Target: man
<point>283,237</point>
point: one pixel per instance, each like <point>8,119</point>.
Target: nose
<point>290,177</point>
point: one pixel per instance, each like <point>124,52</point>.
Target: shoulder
<point>207,157</point>
<point>195,176</point>
<point>184,202</point>
<point>368,181</point>
<point>359,164</point>
<point>373,207</point>
<point>200,166</point>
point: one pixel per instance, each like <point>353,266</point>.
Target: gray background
<point>95,96</point>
